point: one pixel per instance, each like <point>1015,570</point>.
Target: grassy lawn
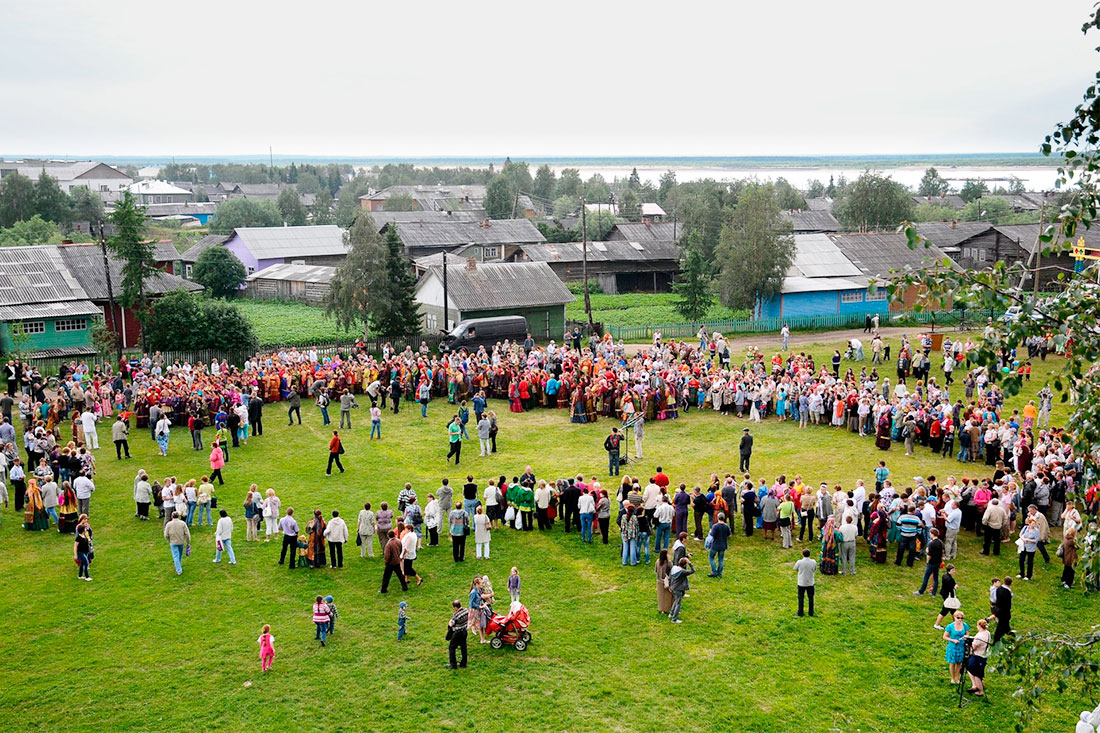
<point>287,323</point>
<point>140,649</point>
<point>639,309</point>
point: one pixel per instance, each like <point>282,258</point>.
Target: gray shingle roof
<point>877,254</point>
<point>494,285</point>
<point>616,250</point>
<point>267,243</point>
<point>442,234</point>
<point>296,273</point>
<point>658,231</point>
<point>1025,235</point>
<point>85,262</point>
<point>37,275</point>
<point>384,218</point>
<point>210,240</point>
<point>821,203</point>
<point>811,221</point>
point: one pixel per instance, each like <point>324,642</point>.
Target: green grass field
<point>640,309</point>
<point>142,649</point>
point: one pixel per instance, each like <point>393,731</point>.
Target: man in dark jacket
<point>678,585</point>
<point>611,445</point>
<point>294,406</point>
<point>1003,614</point>
<point>719,541</point>
<point>570,496</point>
<point>256,414</point>
<point>745,449</point>
<point>391,556</point>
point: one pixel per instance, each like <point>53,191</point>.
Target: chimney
<point>954,223</point>
<point>471,263</point>
<point>648,223</point>
<point>485,224</point>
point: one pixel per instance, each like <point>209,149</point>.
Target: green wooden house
<point>486,289</point>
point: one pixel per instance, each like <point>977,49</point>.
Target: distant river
<point>1035,178</point>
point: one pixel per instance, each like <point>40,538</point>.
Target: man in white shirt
<point>805,568</point>
<point>542,504</point>
<point>336,532</point>
<point>408,554</point>
<point>586,507</point>
<point>87,422</point>
<point>848,534</point>
<point>223,537</point>
<point>663,516</point>
<point>83,487</point>
<point>952,523</point>
<point>651,497</point>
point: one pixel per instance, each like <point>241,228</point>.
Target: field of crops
<point>641,309</point>
<point>282,323</point>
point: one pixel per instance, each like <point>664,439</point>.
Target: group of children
<point>324,615</point>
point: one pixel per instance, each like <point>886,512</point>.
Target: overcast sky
<point>565,78</point>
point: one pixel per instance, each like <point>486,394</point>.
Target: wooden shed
<point>285,281</point>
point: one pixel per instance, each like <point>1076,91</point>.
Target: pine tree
<point>395,313</point>
<point>135,251</point>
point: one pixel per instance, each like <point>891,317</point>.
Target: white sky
<point>591,78</point>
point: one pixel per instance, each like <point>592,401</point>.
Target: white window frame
<point>68,325</point>
<point>490,253</point>
<point>31,328</point>
<point>431,323</point>
<point>879,294</point>
<point>852,297</point>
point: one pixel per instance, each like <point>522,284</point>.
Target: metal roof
<point>382,219</point>
<point>210,240</point>
<point>658,231</point>
<point>493,285</point>
<point>1025,236</point>
<point>877,254</point>
<point>32,311</point>
<point>821,203</point>
<point>85,262</point>
<point>296,273</point>
<point>816,255</point>
<point>799,284</point>
<point>266,243</point>
<point>811,221</point>
<point>425,192</point>
<point>652,210</point>
<point>67,351</point>
<point>609,251</point>
<point>158,187</point>
<point>63,170</point>
<point>946,234</point>
<point>188,208</point>
<point>36,274</point>
<point>455,233</point>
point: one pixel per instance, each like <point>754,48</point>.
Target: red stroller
<point>510,629</point>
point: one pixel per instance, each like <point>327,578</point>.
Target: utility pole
<point>584,263</point>
<point>270,157</point>
<point>446,311</point>
<point>110,295</point>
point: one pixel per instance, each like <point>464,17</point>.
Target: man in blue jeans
<point>719,541</point>
<point>611,445</point>
<point>932,566</point>
<point>909,524</point>
<point>178,536</point>
<point>586,506</point>
<point>663,516</point>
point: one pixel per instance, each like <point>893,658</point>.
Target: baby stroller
<point>510,629</point>
<point>849,353</point>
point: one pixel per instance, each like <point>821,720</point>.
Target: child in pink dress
<point>267,648</point>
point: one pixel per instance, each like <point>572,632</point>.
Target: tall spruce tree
<point>135,251</point>
<point>360,279</point>
<point>394,311</point>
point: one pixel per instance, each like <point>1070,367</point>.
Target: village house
<point>158,192</point>
<point>430,237</point>
<point>109,182</point>
<point>304,283</point>
<point>260,247</point>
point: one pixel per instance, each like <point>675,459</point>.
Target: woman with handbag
<point>951,602</point>
<point>335,450</point>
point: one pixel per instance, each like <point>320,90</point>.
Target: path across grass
<point>140,649</point>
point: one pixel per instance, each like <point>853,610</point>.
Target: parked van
<point>484,332</point>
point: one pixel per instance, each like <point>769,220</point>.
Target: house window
<point>879,294</point>
<point>187,270</point>
<point>490,253</point>
<point>852,297</point>
<point>251,269</point>
<point>980,254</point>
<point>30,327</point>
<point>431,323</point>
<point>70,324</point>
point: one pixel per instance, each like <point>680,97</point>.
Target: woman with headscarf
<point>878,533</point>
<point>882,431</point>
<point>664,595</point>
<point>34,510</point>
<point>315,551</point>
<point>828,547</point>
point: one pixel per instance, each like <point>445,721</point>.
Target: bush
<point>577,288</point>
<point>181,321</point>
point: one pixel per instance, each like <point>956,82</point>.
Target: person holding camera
<point>955,636</point>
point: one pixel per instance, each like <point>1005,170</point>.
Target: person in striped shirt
<point>457,633</point>
<point>910,526</point>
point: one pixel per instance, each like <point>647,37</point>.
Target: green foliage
<point>500,198</point>
<point>755,249</point>
<point>181,321</point>
<point>393,307</point>
<point>131,246</point>
<point>789,197</point>
<point>87,206</point>
<point>360,280</point>
<point>694,287</point>
<point>577,288</point>
<point>667,184</point>
<point>555,233</point>
<point>401,202</point>
<point>220,272</point>
<point>597,222</point>
<point>309,183</point>
<point>321,211</point>
<point>933,184</point>
<point>597,190</point>
<point>243,212</point>
<point>931,212</point>
<point>565,206</point>
<point>544,183</point>
<point>973,189</point>
<point>873,202</point>
<point>518,175</point>
<point>703,207</point>
<point>630,206</point>
<point>569,184</point>
<point>35,230</point>
<point>50,202</point>
<point>990,208</point>
<point>634,182</point>
<point>292,323</point>
<point>291,208</point>
<point>16,199</point>
<point>815,189</point>
<point>347,201</point>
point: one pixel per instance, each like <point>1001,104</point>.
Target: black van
<point>484,332</point>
